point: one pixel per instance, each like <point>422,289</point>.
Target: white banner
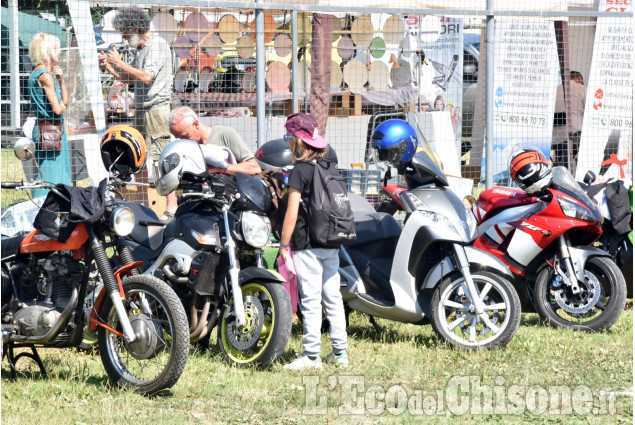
<point>83,26</point>
<point>525,81</point>
<point>606,145</point>
<point>445,55</point>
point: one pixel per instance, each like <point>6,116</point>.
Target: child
<point>316,266</point>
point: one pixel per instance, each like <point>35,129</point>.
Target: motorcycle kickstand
<point>13,359</point>
<point>378,328</point>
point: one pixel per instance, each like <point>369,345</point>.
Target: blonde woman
<point>49,100</point>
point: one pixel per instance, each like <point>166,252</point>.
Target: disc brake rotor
<point>243,337</point>
<point>582,302</point>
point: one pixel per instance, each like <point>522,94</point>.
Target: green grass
<point>402,357</point>
<point>11,170</point>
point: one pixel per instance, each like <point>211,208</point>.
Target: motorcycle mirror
<point>24,148</point>
<point>589,177</point>
<point>469,201</point>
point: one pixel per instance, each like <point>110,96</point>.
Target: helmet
<point>124,147</point>
<point>395,141</point>
<point>530,170</point>
<point>178,158</point>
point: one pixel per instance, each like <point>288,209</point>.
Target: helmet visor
<point>169,163</point>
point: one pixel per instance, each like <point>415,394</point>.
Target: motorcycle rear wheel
<point>455,322</point>
<point>157,357</point>
<point>597,317</point>
<point>263,339</point>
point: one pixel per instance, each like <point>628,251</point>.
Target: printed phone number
<point>522,120</point>
<point>606,122</point>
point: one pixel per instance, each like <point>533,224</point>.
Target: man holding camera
<point>151,76</point>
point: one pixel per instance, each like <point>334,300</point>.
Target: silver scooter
<point>427,269</point>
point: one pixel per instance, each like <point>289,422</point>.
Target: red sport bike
<point>546,241</point>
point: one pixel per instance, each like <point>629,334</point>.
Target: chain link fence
<point>560,79</point>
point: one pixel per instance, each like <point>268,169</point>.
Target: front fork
<point>475,296</point>
<point>110,282</point>
<point>570,277</point>
<point>234,270</point>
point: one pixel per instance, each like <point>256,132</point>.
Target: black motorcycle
<point>211,253</point>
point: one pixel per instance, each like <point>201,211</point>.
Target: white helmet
<point>178,158</point>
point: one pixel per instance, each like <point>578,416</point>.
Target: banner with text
<point>525,81</point>
<point>606,144</point>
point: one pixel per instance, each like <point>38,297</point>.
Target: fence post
<point>14,63</point>
<point>489,96</point>
<point>260,74</point>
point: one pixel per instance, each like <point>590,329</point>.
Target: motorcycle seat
<point>10,246</point>
<point>373,226</point>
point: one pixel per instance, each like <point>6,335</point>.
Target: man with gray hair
<point>185,124</point>
<point>151,76</point>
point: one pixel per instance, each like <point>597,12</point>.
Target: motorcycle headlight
<point>431,218</point>
<point>256,229</point>
<point>122,221</point>
<point>575,210</point>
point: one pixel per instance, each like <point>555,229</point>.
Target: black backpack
<point>330,214</point>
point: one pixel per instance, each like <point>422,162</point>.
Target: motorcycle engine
<point>45,288</point>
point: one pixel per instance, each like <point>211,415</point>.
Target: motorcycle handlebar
<point>10,185</point>
<point>26,185</point>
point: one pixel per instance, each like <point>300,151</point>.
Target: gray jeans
<point>319,283</point>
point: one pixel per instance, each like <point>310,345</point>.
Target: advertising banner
<point>606,144</point>
<point>525,81</point>
<point>445,57</point>
<point>83,25</point>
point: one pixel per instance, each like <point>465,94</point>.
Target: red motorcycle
<point>545,237</point>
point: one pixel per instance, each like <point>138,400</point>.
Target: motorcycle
<point>211,253</point>
<point>427,271</point>
<point>546,241</point>
<point>56,293</point>
<point>617,232</point>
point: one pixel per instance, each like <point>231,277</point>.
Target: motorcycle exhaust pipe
<point>43,339</point>
<point>173,277</point>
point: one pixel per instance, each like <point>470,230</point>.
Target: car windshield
<point>564,182</point>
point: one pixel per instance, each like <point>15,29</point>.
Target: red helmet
<point>530,170</point>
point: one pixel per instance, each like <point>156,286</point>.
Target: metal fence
<point>556,75</point>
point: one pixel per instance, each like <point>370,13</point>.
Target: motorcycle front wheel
<point>268,328</point>
<point>155,360</point>
<point>454,317</point>
<point>597,306</point>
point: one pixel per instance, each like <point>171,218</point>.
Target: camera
<point>119,47</point>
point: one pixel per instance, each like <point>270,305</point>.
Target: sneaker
<point>304,362</point>
<point>339,360</point>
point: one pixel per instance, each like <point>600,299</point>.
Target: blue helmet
<point>395,141</point>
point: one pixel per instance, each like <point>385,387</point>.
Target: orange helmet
<point>123,150</point>
<point>530,170</point>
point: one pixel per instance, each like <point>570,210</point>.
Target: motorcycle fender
<point>258,273</point>
<point>438,272</point>
<point>479,260</point>
<point>580,255</point>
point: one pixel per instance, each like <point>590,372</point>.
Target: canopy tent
<point>29,25</point>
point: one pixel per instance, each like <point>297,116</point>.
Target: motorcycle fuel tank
<point>496,198</point>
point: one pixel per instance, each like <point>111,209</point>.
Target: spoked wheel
<point>596,307</point>
<point>268,328</point>
<point>156,358</point>
<point>454,317</point>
